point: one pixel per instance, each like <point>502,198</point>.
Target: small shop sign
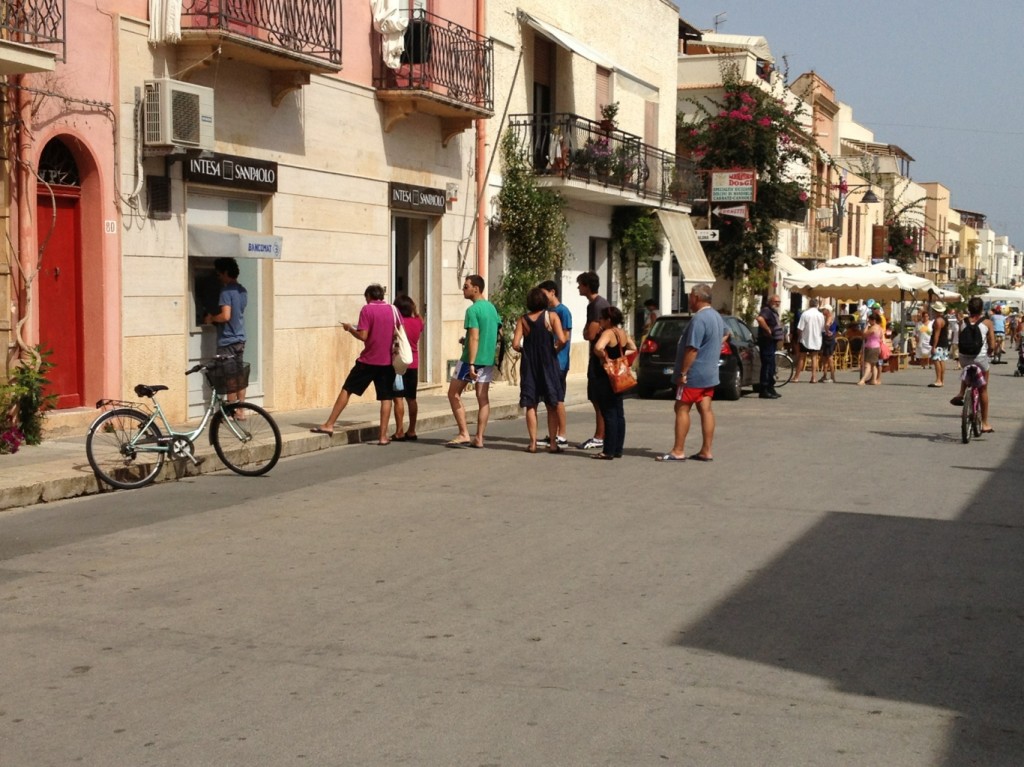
<point>737,185</point>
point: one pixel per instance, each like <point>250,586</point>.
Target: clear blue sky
<point>943,81</point>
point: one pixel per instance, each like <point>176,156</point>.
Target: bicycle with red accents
<point>970,411</point>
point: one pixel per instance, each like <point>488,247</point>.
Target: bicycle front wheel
<point>783,369</point>
<point>247,440</point>
<point>113,447</point>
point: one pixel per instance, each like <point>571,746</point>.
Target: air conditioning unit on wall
<point>178,114</point>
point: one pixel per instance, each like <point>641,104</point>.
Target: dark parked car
<point>739,365</point>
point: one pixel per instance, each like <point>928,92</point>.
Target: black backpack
<point>971,338</point>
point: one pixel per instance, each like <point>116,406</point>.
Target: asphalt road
<point>844,585</point>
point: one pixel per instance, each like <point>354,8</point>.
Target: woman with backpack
<point>977,337</point>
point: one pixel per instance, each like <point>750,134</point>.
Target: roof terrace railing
<point>308,27</point>
<point>35,23</point>
<point>444,58</point>
<point>577,148</point>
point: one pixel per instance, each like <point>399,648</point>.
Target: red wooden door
<point>60,293</point>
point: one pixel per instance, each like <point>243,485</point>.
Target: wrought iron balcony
<point>573,148</point>
<point>26,24</point>
<point>446,70</point>
<point>277,34</point>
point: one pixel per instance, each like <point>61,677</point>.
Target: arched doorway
<point>59,231</point>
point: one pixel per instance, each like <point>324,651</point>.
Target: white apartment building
<point>556,66</point>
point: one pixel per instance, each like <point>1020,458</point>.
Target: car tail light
<point>649,346</point>
<point>725,348</point>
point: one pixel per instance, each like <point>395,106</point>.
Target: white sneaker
<point>593,442</point>
<point>545,442</point>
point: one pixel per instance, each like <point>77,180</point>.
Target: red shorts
<point>693,395</point>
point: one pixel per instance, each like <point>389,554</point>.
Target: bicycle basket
<point>228,376</point>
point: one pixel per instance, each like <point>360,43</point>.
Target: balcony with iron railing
<point>588,162</point>
<point>290,38</point>
<point>32,35</point>
<point>445,70</point>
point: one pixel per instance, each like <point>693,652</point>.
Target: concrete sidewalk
<point>58,468</point>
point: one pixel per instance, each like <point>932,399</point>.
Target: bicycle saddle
<point>142,390</point>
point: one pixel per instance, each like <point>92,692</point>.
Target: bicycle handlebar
<point>205,365</point>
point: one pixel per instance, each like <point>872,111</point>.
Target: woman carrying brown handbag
<point>612,343</point>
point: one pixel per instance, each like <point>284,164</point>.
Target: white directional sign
<point>707,235</point>
<point>739,211</point>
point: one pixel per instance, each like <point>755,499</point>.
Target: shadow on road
<point>916,610</point>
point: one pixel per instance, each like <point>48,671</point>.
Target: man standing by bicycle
<point>769,333</point>
<point>998,320</point>
<point>977,337</point>
<point>230,319</point>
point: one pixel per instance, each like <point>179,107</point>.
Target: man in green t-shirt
<point>477,363</point>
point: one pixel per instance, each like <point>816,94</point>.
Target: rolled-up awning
<point>789,265</point>
<point>227,241</point>
<point>562,38</point>
<point>689,253</point>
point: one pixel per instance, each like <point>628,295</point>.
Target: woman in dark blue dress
<point>538,337</point>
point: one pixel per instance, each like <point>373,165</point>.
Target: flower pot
<point>607,125</point>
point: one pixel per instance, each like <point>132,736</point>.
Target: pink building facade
<point>274,132</point>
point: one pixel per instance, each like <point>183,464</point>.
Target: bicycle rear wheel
<point>112,449</point>
<point>248,445</point>
<point>784,368</point>
<point>976,415</point>
<point>966,419</point>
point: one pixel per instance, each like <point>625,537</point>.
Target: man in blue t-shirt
<point>230,319</point>
<point>550,288</point>
<point>696,374</point>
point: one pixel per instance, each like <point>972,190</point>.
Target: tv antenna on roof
<point>719,19</point>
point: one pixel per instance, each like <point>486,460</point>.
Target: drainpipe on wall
<point>481,178</point>
<point>25,241</point>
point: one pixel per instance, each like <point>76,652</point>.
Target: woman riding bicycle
<point>975,319</point>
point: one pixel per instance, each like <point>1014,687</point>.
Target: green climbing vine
<point>532,223</point>
<point>637,238</point>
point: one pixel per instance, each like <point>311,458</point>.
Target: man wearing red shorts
<point>696,374</point>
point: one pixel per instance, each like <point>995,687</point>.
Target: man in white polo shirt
<point>810,327</point>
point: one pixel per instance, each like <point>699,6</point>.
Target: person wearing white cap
<point>940,343</point>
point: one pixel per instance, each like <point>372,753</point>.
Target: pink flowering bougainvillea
<point>749,128</point>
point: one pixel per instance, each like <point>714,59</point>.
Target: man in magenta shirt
<point>376,329</point>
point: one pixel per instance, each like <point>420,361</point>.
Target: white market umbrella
<point>879,281</point>
<point>847,261</point>
<point>1001,295</point>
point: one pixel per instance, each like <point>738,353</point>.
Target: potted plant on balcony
<point>608,114</point>
<point>624,165</point>
<point>676,187</point>
<point>595,156</point>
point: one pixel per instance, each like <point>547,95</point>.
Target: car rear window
<point>669,328</point>
<point>739,331</point>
